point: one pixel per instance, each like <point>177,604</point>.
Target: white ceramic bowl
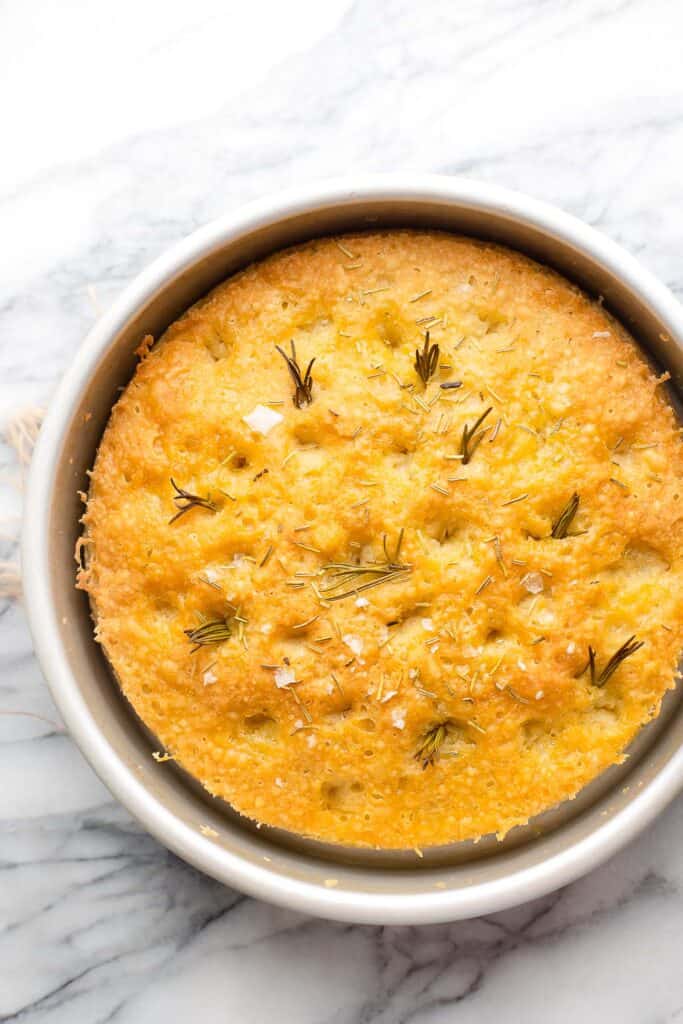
<point>451,882</point>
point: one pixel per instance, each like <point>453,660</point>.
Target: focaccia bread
<point>416,592</point>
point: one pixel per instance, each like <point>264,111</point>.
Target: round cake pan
<point>399,887</point>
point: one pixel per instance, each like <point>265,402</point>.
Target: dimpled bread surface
<point>453,697</point>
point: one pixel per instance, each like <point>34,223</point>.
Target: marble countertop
<point>125,127</point>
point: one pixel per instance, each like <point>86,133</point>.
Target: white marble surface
<point>126,125</point>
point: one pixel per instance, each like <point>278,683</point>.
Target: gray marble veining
<point>126,126</point>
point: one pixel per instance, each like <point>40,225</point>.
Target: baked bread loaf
<point>384,540</point>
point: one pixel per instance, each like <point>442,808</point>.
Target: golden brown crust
<point>462,637</point>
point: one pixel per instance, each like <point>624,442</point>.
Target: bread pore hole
<point>444,531</point>
<point>534,733</point>
<point>216,348</point>
<point>261,725</point>
<point>390,330</point>
<point>342,794</point>
<point>494,636</point>
<point>306,433</point>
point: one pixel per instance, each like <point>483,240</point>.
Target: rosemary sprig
<point>346,579</point>
<point>303,383</point>
<point>624,652</point>
<point>184,501</point>
<point>470,443</point>
<point>214,632</point>
<point>561,525</point>
<point>427,360</point>
<point>431,743</point>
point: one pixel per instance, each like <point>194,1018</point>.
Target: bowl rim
<point>258,880</point>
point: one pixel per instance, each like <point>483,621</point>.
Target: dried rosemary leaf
<point>470,439</point>
<point>561,525</point>
<point>185,500</point>
<point>625,651</point>
<point>214,632</point>
<point>303,383</point>
<point>427,360</point>
<point>346,579</point>
<point>431,743</point>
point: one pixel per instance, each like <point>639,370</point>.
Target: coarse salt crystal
<point>311,740</point>
<point>211,575</point>
<point>428,625</point>
<point>267,627</point>
<point>209,678</point>
<point>412,673</point>
<point>362,602</point>
<point>539,694</point>
<point>398,717</point>
<point>388,695</point>
<point>279,783</point>
<point>262,419</point>
<point>533,582</point>
<point>601,334</point>
<point>571,647</point>
<point>284,677</point>
<point>354,643</point>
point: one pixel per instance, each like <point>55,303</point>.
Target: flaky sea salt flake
<point>398,717</point>
<point>284,677</point>
<point>353,642</point>
<point>532,582</point>
<point>262,419</point>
